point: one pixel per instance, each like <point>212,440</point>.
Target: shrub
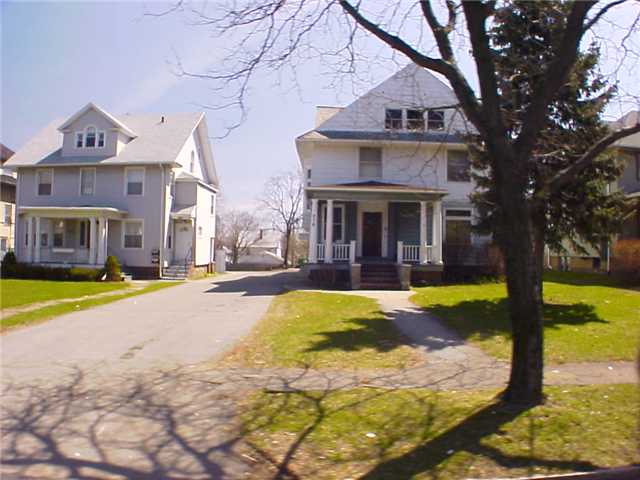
<point>40,272</point>
<point>625,260</point>
<point>112,269</point>
<point>8,264</point>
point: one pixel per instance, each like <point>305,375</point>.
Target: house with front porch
<point>140,187</point>
<point>388,180</point>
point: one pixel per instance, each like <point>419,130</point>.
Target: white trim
<point>75,139</point>
<point>132,220</point>
<point>72,212</point>
<point>91,106</point>
<point>93,189</point>
<point>38,181</point>
<point>340,188</point>
<point>343,215</point>
<point>144,174</point>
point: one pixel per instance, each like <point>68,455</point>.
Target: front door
<point>371,234</point>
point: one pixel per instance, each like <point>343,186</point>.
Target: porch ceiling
<point>72,212</point>
<point>365,191</point>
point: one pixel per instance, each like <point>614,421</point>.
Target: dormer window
<point>90,138</point>
<point>435,120</point>
<point>415,120</point>
<point>393,119</point>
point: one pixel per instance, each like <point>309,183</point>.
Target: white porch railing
<point>412,253</point>
<point>342,252</point>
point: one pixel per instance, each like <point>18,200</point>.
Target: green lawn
<point>388,434</point>
<point>45,313</point>
<point>16,293</point>
<point>323,330</point>
<point>586,317</point>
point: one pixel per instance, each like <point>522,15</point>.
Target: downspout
<point>163,192</point>
<point>16,218</point>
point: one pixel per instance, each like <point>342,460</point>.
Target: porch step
<point>379,277</point>
<point>175,272</point>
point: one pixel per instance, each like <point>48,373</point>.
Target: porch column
<point>92,240</point>
<point>29,236</point>
<point>313,232</point>
<point>102,240</point>
<point>437,232</point>
<point>328,238</point>
<point>36,241</point>
<point>423,232</point>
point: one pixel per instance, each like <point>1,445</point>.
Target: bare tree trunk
<point>287,239</point>
<point>523,249</point>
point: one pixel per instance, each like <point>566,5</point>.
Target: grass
<point>17,293</point>
<point>323,330</point>
<point>46,313</point>
<point>384,434</point>
<point>586,317</point>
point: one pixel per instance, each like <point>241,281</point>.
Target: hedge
<point>625,260</point>
<point>38,272</point>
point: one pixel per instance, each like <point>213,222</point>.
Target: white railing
<point>320,251</point>
<point>341,252</point>
<point>63,255</point>
<point>411,253</point>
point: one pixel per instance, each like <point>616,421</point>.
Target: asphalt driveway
<point>175,327</point>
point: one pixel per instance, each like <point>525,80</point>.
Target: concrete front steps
<point>175,272</point>
<point>379,276</point>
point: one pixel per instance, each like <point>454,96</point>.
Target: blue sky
<point>58,56</point>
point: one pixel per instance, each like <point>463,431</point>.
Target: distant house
<point>597,258</point>
<point>7,202</point>
<point>265,252</point>
<point>139,187</point>
<point>388,183</point>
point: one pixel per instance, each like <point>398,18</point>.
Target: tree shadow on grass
<point>375,333</point>
<point>488,318</point>
<point>320,441</point>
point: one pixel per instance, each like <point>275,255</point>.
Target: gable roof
<point>5,153</point>
<point>156,143</point>
<point>91,106</point>
<point>628,120</point>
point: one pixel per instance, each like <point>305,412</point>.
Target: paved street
<point>178,326</point>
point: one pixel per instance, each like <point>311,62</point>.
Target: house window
<point>58,233</point>
<point>370,162</point>
<point>213,205</point>
<point>84,233</point>
<point>133,231</point>
<point>79,139</point>
<point>338,223</point>
<point>101,139</point>
<point>44,180</point>
<point>415,120</point>
<point>44,239</point>
<point>90,137</point>
<point>87,181</point>
<point>458,166</point>
<point>458,227</point>
<point>435,120</point>
<point>7,214</point>
<point>393,119</point>
<point>134,181</point>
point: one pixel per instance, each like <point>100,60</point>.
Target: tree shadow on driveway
<point>255,284</point>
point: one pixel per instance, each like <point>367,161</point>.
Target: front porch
<point>67,236</point>
<point>376,224</point>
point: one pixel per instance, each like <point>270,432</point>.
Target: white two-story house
<point>139,187</point>
<point>390,175</point>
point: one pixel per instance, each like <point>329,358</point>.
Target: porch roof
<point>73,212</point>
<point>183,212</point>
<point>375,190</point>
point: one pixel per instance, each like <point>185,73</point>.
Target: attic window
<point>90,138</point>
<point>79,139</point>
<point>435,120</point>
<point>100,139</point>
<point>415,120</point>
<point>393,119</point>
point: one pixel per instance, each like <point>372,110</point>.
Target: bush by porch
<point>587,317</point>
